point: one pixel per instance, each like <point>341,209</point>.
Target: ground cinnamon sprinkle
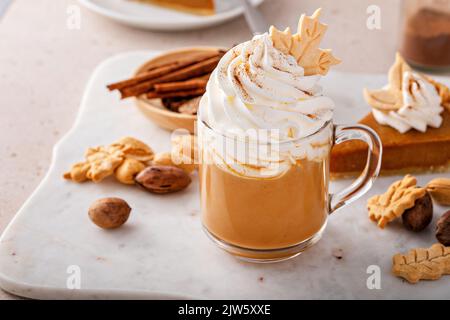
<point>427,38</point>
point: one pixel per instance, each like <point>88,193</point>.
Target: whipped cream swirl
<point>256,88</point>
<point>421,106</point>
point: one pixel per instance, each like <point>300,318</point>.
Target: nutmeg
<point>163,179</point>
<point>109,213</point>
<point>443,229</point>
<point>419,217</point>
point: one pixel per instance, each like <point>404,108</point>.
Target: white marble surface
<point>162,251</point>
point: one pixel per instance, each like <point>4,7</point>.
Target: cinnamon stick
<point>163,69</point>
<point>192,71</point>
<point>176,94</point>
<point>181,85</point>
<point>148,75</point>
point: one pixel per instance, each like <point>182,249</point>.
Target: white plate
<point>156,18</point>
<point>162,251</point>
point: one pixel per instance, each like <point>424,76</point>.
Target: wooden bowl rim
<point>144,102</point>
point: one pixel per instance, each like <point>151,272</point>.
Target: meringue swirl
<point>421,106</point>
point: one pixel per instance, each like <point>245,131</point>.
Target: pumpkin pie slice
<point>411,115</point>
<point>411,152</point>
<point>201,7</point>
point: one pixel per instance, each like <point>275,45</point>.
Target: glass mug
<point>273,217</point>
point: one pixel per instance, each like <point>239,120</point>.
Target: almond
<point>163,179</point>
<point>440,190</point>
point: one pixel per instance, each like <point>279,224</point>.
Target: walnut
<point>109,213</point>
<point>400,196</point>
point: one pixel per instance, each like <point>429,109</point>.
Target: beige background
<point>44,68</point>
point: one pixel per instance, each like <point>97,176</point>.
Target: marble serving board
<point>162,251</point>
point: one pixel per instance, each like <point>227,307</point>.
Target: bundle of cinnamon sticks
<point>174,81</point>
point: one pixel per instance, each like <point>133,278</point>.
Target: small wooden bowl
<point>154,109</point>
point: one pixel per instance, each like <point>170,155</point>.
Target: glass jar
<point>426,33</point>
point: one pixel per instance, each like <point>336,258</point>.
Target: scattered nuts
<point>165,159</point>
<point>128,170</point>
<point>419,217</point>
<point>163,179</point>
<point>440,191</point>
<point>109,213</point>
<point>443,229</point>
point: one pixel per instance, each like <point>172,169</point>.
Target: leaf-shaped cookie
<point>100,163</point>
<point>390,98</point>
<point>282,40</point>
<point>134,149</point>
<point>307,40</point>
<point>304,45</point>
<point>384,100</point>
<point>422,264</point>
<point>400,196</point>
<point>125,158</point>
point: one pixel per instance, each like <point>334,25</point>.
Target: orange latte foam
<point>265,213</point>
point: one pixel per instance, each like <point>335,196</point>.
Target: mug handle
<point>365,181</point>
